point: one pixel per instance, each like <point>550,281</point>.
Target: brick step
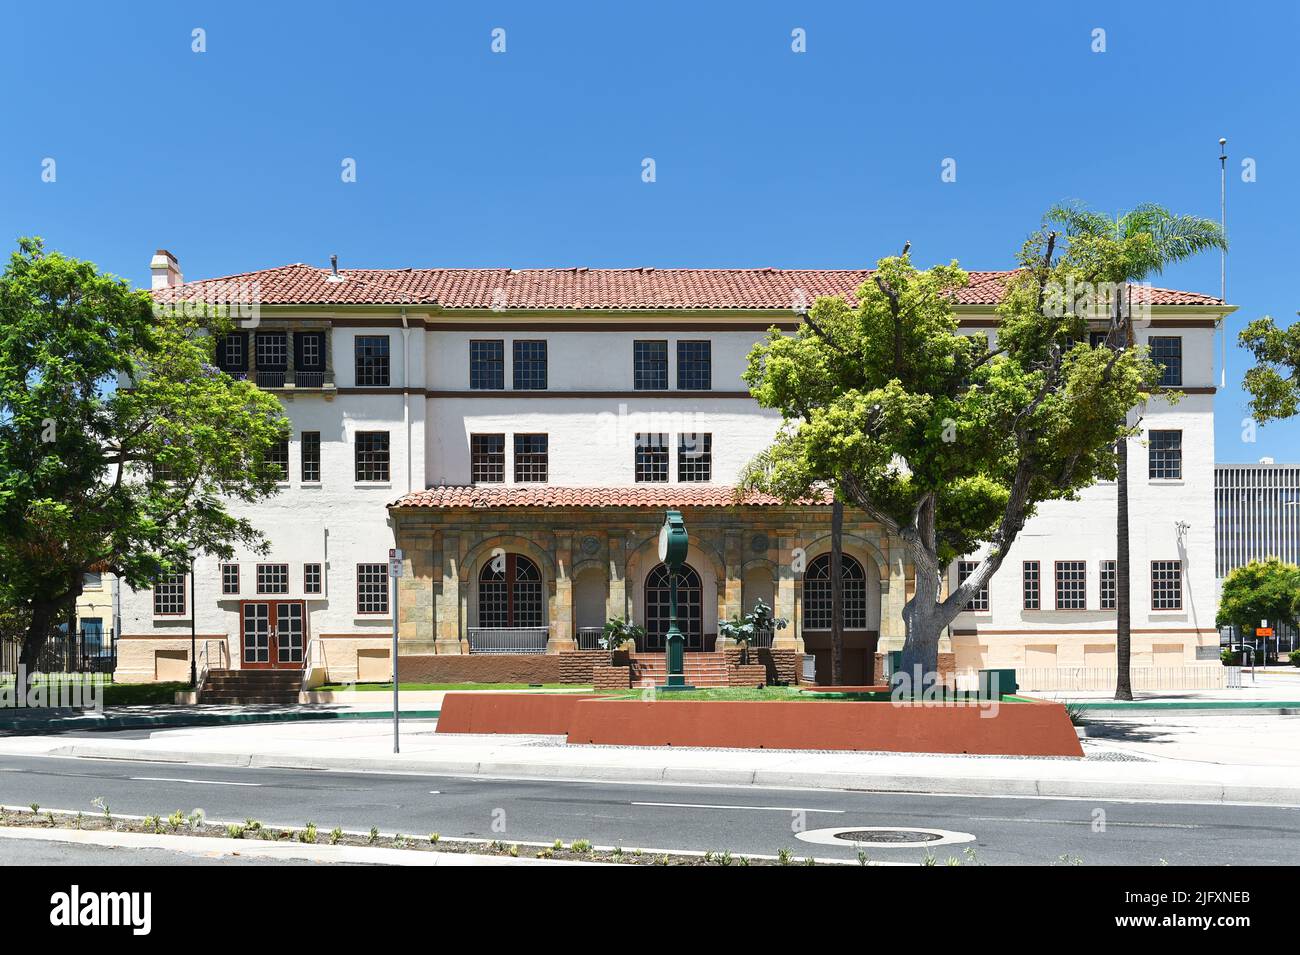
<point>235,687</point>
<point>242,700</point>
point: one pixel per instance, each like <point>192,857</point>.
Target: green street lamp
<point>673,545</point>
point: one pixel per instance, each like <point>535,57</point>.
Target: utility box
<point>996,683</point>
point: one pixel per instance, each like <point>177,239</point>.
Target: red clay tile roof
<point>643,495</point>
<point>558,289</point>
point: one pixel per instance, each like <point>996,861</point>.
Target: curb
<point>163,720</point>
<point>1261,707</point>
<point>1209,792</point>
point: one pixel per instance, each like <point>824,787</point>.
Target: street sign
<point>1263,631</point>
<point>394,562</point>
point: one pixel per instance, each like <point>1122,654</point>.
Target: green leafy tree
<point>1131,247</point>
<point>1273,383</point>
<point>121,445</point>
<point>947,442</point>
<point>1261,590</point>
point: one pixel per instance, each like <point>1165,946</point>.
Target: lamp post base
<point>673,687</point>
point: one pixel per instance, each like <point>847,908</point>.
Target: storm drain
<point>886,837</point>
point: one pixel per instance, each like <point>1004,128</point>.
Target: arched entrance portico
<point>690,608</point>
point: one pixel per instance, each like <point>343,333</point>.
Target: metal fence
<point>589,638</point>
<point>82,652</point>
<point>508,640</point>
<point>1208,676</point>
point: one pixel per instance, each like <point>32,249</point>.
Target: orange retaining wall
<point>546,713</point>
<point>1017,729</point>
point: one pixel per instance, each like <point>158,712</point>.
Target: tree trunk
<point>837,593</point>
<point>1123,646</point>
<point>38,632</point>
<point>923,627</point>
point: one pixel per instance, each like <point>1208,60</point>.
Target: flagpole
<point>1223,261</point>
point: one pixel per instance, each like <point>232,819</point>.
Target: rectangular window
<point>1109,595</point>
<point>650,366</point>
<point>311,578</point>
<point>1031,584</point>
<point>651,458</point>
<point>694,366</point>
<point>487,366</point>
<point>1097,339</point>
<point>169,595</point>
<point>487,458</point>
<point>372,588</point>
<point>372,456</point>
<point>92,580</point>
<point>1166,585</point>
<point>1167,352</point>
<point>272,578</point>
<point>372,361</point>
<point>232,354</point>
<point>230,579</point>
<point>311,456</point>
<point>272,351</point>
<point>529,367</point>
<point>980,602</point>
<point>694,458</point>
<point>1071,585</point>
<point>309,351</point>
<point>1165,455</point>
<point>278,459</point>
<point>530,458</point>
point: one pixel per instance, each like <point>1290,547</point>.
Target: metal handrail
<point>589,638</point>
<point>307,659</point>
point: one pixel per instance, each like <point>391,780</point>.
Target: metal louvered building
<point>1257,515</point>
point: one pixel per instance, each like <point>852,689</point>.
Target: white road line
<point>694,805</point>
<point>196,782</point>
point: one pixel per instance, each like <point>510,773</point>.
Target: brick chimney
<point>166,270</point>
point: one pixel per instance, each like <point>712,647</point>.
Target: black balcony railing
<point>309,379</point>
<point>270,379</point>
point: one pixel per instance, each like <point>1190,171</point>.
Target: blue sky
<point>831,158</point>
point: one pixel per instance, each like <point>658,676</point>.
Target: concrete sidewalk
<point>1206,758</point>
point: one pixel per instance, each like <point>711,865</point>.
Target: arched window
<point>817,594</point>
<point>690,608</point>
<point>510,593</point>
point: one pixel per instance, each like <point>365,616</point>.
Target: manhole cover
<point>888,835</point>
<point>893,837</point>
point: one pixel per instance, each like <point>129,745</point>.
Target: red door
<point>274,634</point>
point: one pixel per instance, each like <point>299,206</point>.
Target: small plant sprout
<point>783,856</point>
<point>175,820</point>
<point>514,851</point>
<point>235,831</point>
<point>862,857</point>
<point>373,837</point>
<point>196,819</point>
<point>36,807</point>
<point>557,845</point>
<point>336,835</point>
<point>252,824</point>
<point>433,838</point>
<point>308,835</point>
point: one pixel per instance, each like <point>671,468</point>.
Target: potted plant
<point>618,633</point>
<point>742,629</point>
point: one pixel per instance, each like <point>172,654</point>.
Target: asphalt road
<point>742,820</point>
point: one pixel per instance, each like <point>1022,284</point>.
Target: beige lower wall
<point>355,659</point>
<point>163,659</point>
<point>1166,648</point>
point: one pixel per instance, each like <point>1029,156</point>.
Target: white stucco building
<point>520,433</point>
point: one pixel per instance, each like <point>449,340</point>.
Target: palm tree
<point>1149,238</point>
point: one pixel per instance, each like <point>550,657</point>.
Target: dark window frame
<point>308,585</point>
<point>694,373</point>
<point>170,581</point>
<point>373,459</point>
<point>261,583</point>
<point>1079,566</point>
<point>369,577</point>
<point>487,465</point>
<point>528,372</point>
<point>695,466</point>
<point>980,602</point>
<point>226,585</point>
<point>531,464</point>
<point>1165,454</point>
<point>1171,364</point>
<point>652,459</point>
<point>647,373</point>
<point>1031,587</point>
<point>1162,603</point>
<point>372,357</point>
<point>309,457</point>
<point>487,371</point>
